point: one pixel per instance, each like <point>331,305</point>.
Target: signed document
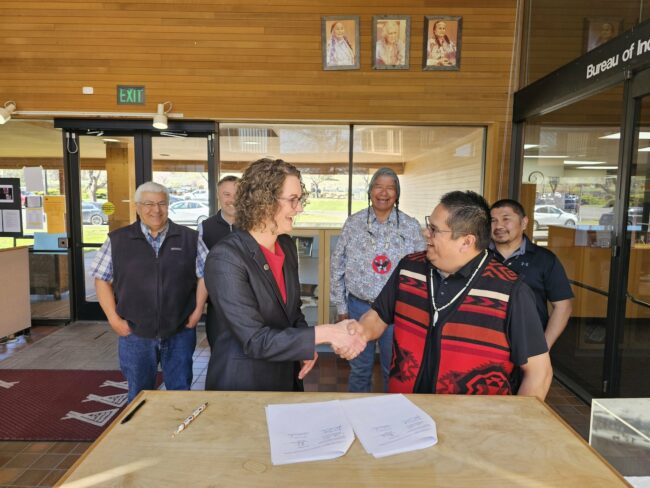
<point>390,424</point>
<point>308,432</point>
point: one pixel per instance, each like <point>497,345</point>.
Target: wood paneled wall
<point>257,60</point>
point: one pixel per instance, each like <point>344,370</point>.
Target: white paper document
<point>308,432</point>
<point>390,424</point>
<point>11,221</point>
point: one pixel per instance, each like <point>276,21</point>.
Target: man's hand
<point>194,318</point>
<point>346,344</point>
<point>307,366</point>
<point>120,326</point>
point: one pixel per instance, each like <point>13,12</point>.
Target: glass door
<point>106,161</point>
<point>571,182</point>
<point>105,182</point>
<point>633,336</point>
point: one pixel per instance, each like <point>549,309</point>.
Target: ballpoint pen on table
<point>189,419</point>
<point>130,415</point>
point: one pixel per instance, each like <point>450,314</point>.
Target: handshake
<point>346,338</point>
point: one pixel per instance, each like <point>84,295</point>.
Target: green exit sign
<point>130,95</point>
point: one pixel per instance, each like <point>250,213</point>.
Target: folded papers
<point>386,425</point>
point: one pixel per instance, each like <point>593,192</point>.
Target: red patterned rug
<point>59,405</point>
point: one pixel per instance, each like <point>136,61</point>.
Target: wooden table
<point>483,441</point>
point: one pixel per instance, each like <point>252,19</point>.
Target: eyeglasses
<point>151,205</point>
<point>293,201</point>
<point>433,230</point>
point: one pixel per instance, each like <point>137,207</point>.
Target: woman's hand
<point>307,366</point>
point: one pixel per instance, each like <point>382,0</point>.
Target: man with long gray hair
<point>371,244</point>
<point>149,282</point>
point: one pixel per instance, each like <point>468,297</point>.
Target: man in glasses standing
<point>149,283</point>
<point>464,323</point>
<point>371,244</point>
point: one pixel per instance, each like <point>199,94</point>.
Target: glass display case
<point>620,432</point>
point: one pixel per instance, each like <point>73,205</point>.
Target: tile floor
<point>31,464</point>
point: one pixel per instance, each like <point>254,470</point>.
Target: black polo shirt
<point>542,271</point>
<point>524,330</point>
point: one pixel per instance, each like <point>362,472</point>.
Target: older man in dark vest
<point>464,323</point>
<point>149,282</point>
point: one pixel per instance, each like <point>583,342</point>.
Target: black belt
<point>369,302</point>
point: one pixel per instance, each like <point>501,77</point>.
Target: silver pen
<point>190,419</point>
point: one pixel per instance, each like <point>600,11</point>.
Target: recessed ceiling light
<point>543,156</point>
<point>530,146</point>
<point>617,135</point>
<point>110,140</point>
<point>571,162</point>
<point>597,167</point>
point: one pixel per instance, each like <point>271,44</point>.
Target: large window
<point>321,153</point>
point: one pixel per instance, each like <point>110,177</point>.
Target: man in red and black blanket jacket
<point>464,323</point>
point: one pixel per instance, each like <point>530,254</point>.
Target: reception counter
<point>483,441</point>
<point>15,309</point>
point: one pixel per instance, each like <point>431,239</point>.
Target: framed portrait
<point>599,30</point>
<point>390,38</point>
<point>442,39</point>
<point>340,41</point>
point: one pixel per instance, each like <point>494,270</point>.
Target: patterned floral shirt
<point>367,252</point>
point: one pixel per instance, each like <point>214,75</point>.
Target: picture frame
<point>442,43</point>
<point>391,41</point>
<point>599,30</point>
<point>340,42</point>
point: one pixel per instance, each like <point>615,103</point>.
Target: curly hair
<point>260,186</point>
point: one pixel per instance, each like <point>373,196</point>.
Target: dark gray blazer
<point>259,339</point>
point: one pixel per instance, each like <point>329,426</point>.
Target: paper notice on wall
<point>34,218</point>
<point>11,221</point>
<point>33,178</point>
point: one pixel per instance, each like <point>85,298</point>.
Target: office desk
<point>483,441</point>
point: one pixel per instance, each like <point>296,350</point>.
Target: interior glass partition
<point>36,144</point>
<point>430,161</point>
<point>569,190</point>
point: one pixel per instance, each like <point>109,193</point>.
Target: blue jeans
<point>139,359</point>
<point>361,366</point>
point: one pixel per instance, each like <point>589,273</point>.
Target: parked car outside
<point>92,213</point>
<point>546,215</point>
<point>200,195</point>
<point>189,212</point>
<point>634,217</point>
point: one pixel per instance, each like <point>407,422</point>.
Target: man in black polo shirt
<point>464,323</point>
<point>217,227</point>
<point>540,268</point>
<point>149,283</point>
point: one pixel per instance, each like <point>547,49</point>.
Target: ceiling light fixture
<point>570,162</point>
<point>542,156</point>
<point>160,119</point>
<point>6,111</point>
<point>597,167</point>
<point>617,135</point>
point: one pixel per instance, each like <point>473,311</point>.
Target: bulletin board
<point>11,216</point>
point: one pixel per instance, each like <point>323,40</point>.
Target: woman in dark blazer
<point>252,280</point>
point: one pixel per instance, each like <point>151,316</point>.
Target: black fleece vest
<point>155,294</point>
<point>215,228</point>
